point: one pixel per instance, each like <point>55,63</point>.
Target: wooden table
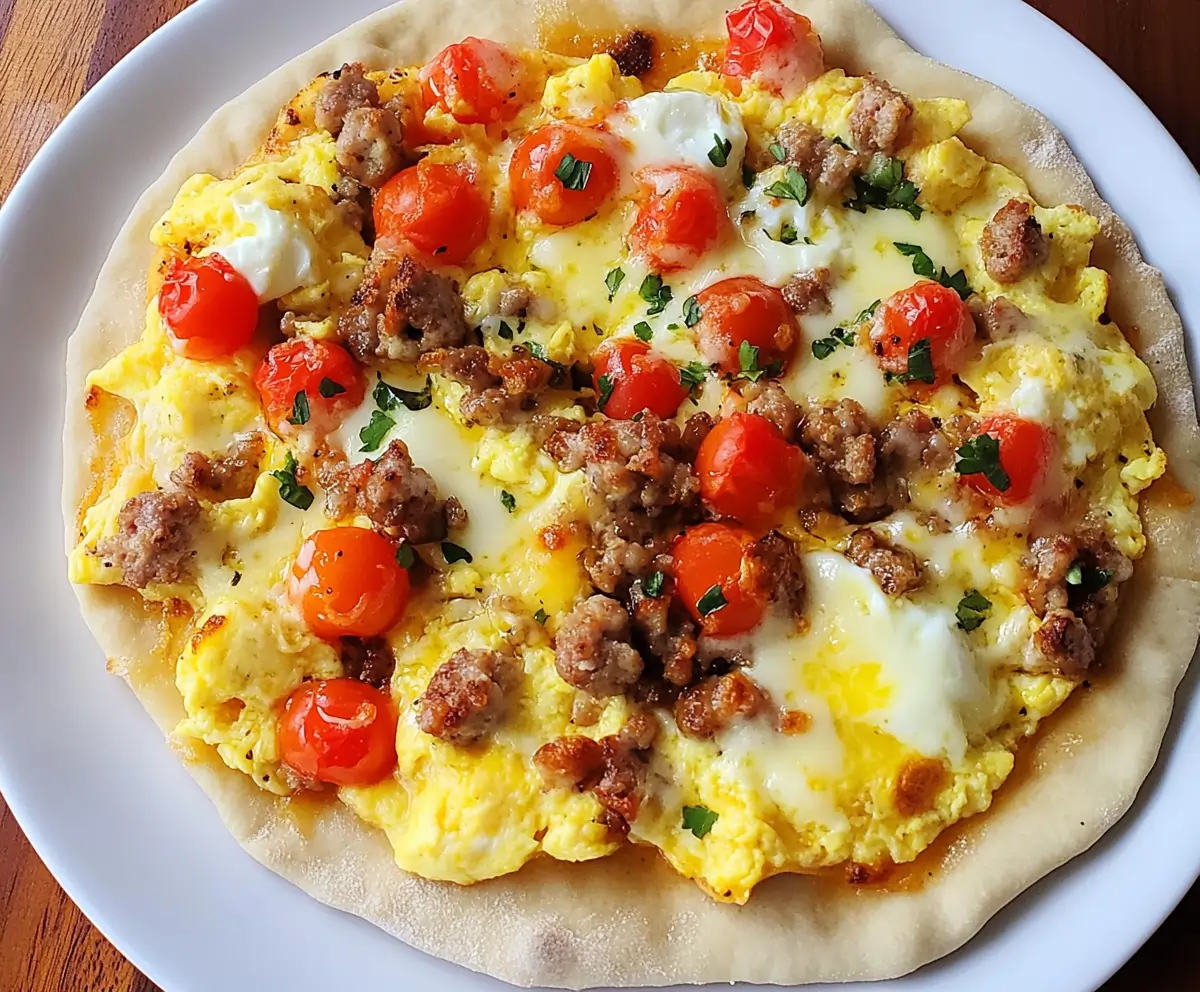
<point>53,51</point>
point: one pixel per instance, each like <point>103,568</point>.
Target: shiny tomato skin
<point>436,208</point>
<point>1027,450</point>
<point>339,731</point>
<point>347,582</point>
<point>476,81</point>
<point>209,308</point>
<point>930,311</point>
<point>748,471</point>
<point>772,43</point>
<point>680,216</point>
<point>304,364</point>
<point>710,555</point>
<point>744,309</point>
<point>535,187</point>
<point>641,380</point>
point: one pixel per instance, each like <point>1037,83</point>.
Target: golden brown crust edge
<point>630,920</point>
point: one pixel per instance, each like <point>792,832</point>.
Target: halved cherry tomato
<point>475,81</point>
<point>340,731</point>
<point>774,44</point>
<point>329,378</point>
<point>640,380</point>
<point>709,557</point>
<point>209,308</point>
<point>681,215</point>
<point>347,582</point>
<point>929,312</point>
<point>539,164</point>
<point>744,309</point>
<point>437,209</point>
<point>748,471</point>
<point>1026,451</point>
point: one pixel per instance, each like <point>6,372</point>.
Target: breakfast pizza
<point>548,479</point>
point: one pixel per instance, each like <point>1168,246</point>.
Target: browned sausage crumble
<point>154,542</point>
<point>464,700</point>
<point>1013,244</point>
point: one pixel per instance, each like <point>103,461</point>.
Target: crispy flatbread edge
<point>629,920</point>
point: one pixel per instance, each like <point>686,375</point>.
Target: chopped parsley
<point>290,491</point>
<point>788,235</point>
<point>508,500</point>
<point>923,266</point>
<point>654,292</point>
<point>405,556</point>
<point>605,388</point>
<point>778,152</point>
<point>793,186</point>
<point>824,347</point>
<point>455,552</point>
<point>693,374</point>
<point>373,434</point>
<point>329,388</point>
<point>883,187</point>
<point>981,456</point>
<point>1087,578</point>
<point>748,177</point>
<point>711,601</point>
<point>652,584</point>
<point>388,397</point>
<point>972,610</point>
<point>643,331</point>
<point>920,365</point>
<point>719,153</point>
<point>691,311</point>
<point>699,820</point>
<point>538,351</point>
<point>237,577</point>
<point>504,330</point>
<point>573,172</point>
<point>750,369</point>
<point>300,410</point>
<point>613,282</point>
<point>541,616</point>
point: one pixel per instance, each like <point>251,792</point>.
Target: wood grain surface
<point>53,51</point>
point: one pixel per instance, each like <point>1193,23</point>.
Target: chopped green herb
<point>793,186</point>
<point>843,334</point>
<point>300,410</point>
<point>711,601</point>
<point>719,153</point>
<point>504,330</point>
<point>920,364</point>
<point>538,351</point>
<point>454,552</point>
<point>652,584</point>
<point>788,235</point>
<point>605,385</point>
<point>699,820</point>
<point>541,616</point>
<point>923,266</point>
<point>750,369</point>
<point>866,313</point>
<point>654,292</point>
<point>691,311</point>
<point>572,172</point>
<point>1087,578</point>
<point>839,141</point>
<point>643,331</point>
<point>388,397</point>
<point>613,281</point>
<point>237,577</point>
<point>972,610</point>
<point>405,556</point>
<point>290,491</point>
<point>748,176</point>
<point>957,282</point>
<point>508,500</point>
<point>824,347</point>
<point>638,416</point>
<point>884,187</point>
<point>329,388</point>
<point>778,152</point>
<point>693,374</point>
<point>981,456</point>
<point>373,434</point>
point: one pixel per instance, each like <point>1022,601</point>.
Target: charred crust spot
<point>291,116</point>
<point>207,629</point>
<point>634,53</point>
<point>918,785</point>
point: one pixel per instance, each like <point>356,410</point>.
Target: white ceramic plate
<point>117,818</point>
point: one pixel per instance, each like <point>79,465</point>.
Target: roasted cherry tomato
<point>437,209</point>
<point>708,565</point>
<point>929,312</point>
<point>639,380</point>
<point>209,308</point>
<point>476,82</point>
<point>563,172</point>
<point>348,583</point>
<point>329,378</point>
<point>748,471</point>
<point>1026,449</point>
<point>681,215</point>
<point>774,44</point>
<point>340,731</point>
<point>744,309</point>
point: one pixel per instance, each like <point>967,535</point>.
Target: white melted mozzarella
<point>683,127</point>
<point>277,258</point>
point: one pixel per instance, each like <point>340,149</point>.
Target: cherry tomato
<point>744,309</point>
<point>710,556</point>
<point>317,368</point>
<point>476,82</point>
<point>340,731</point>
<point>926,311</point>
<point>209,308</point>
<point>437,209</point>
<point>748,471</point>
<point>1026,451</point>
<point>347,582</point>
<point>540,161</point>
<point>774,44</point>
<point>640,380</point>
<point>681,215</point>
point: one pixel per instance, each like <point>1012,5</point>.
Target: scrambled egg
<point>893,692</point>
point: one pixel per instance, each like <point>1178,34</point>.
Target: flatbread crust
<point>630,920</point>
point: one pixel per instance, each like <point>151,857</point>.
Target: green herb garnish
<point>389,397</point>
<point>373,434</point>
<point>981,456</point>
<point>719,153</point>
<point>793,186</point>
<point>654,292</point>
<point>613,282</point>
<point>652,584</point>
<point>643,331</point>
<point>508,500</point>
<point>290,491</point>
<point>572,172</point>
<point>300,410</point>
<point>405,556</point>
<point>605,386</point>
<point>699,820</point>
<point>972,610</point>
<point>329,388</point>
<point>455,552</point>
<point>711,601</point>
<point>691,311</point>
